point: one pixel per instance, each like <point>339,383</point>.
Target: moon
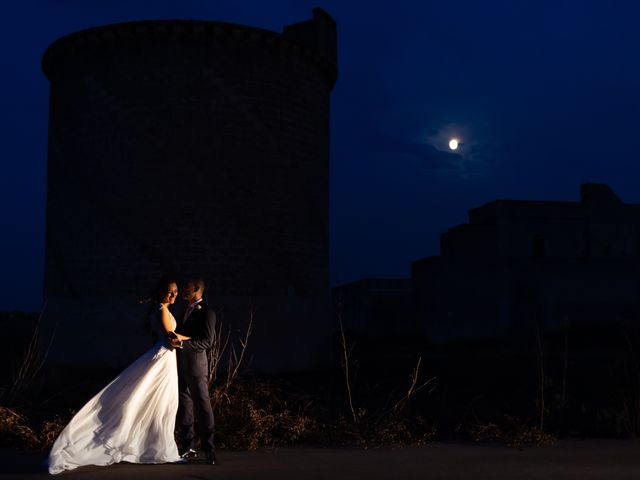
<point>453,144</point>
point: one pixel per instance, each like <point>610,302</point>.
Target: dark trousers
<point>194,397</point>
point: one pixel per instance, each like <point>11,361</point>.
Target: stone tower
<point>190,146</point>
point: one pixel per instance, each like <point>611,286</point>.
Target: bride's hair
<point>162,287</point>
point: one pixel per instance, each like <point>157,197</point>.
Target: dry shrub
<point>251,414</point>
<point>373,430</point>
<point>402,430</point>
<point>489,432</point>
<point>51,429</point>
<point>512,432</point>
<point>14,431</point>
<point>254,413</point>
<point>531,436</point>
<point>381,425</point>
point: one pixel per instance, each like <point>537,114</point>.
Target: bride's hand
<point>172,335</point>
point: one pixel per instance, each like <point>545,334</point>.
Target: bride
<point>133,418</point>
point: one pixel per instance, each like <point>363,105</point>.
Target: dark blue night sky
<point>543,94</point>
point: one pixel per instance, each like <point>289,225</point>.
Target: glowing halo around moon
<point>453,144</point>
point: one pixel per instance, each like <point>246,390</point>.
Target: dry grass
<point>511,432</point>
<point>250,412</point>
<point>257,414</point>
<point>15,432</point>
<point>50,430</point>
<point>265,413</point>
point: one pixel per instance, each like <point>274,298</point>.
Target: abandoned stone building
<point>518,264</point>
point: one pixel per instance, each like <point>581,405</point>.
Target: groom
<point>198,323</point>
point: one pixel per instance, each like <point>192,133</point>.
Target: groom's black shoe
<point>211,458</point>
<point>190,453</point>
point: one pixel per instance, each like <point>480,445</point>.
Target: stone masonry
<point>190,146</point>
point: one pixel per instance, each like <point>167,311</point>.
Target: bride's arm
<point>167,324</point>
<point>165,318</point>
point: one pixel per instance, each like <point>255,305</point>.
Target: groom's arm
<point>203,341</point>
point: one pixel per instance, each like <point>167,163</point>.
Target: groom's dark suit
<point>193,373</point>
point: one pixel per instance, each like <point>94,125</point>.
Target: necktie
<point>187,313</point>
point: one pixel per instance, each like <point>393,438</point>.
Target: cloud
<point>475,156</point>
<point>468,162</point>
<point>428,155</point>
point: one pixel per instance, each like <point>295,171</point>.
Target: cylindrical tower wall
<point>188,146</point>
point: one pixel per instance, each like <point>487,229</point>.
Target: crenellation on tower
<point>317,34</point>
<point>313,39</point>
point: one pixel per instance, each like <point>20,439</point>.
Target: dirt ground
<point>567,459</point>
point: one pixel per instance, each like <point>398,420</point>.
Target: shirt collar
<point>191,305</point>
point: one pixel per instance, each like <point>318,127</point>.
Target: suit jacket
<point>201,327</point>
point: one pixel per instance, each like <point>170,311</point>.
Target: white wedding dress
<point>130,420</point>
